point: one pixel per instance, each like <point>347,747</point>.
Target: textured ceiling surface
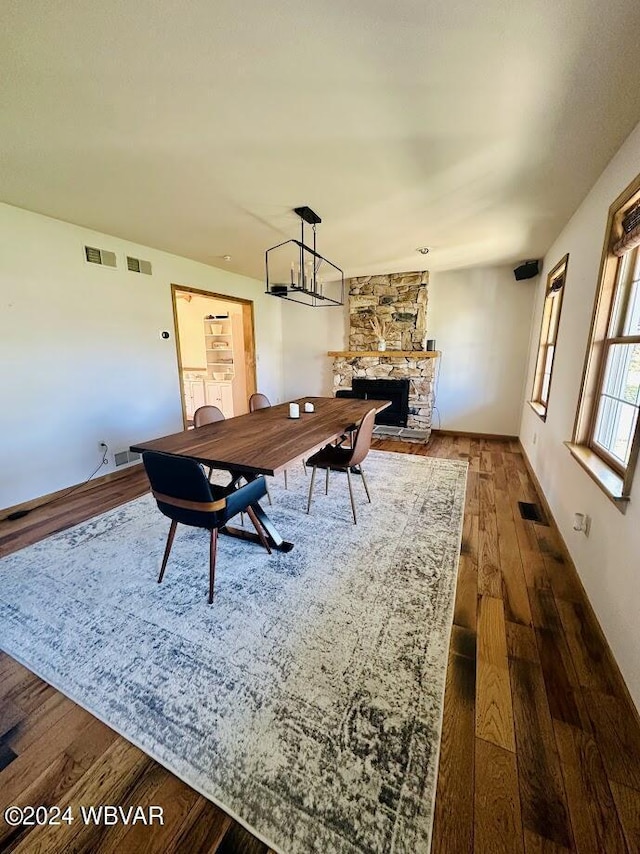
<point>474,129</point>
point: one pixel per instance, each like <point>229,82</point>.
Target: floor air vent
<point>136,265</point>
<point>99,256</point>
<point>532,512</point>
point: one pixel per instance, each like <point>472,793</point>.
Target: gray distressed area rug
<point>307,700</point>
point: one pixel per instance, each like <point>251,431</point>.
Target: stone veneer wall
<point>419,371</point>
<point>400,299</point>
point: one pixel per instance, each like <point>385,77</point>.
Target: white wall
<point>609,560</point>
<point>308,333</point>
<point>81,353</point>
<point>481,319</point>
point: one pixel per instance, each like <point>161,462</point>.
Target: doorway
<point>215,344</point>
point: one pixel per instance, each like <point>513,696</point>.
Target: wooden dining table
<point>266,442</point>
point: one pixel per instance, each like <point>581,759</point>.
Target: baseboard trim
<point>498,437</point>
<point>27,506</point>
<point>567,557</point>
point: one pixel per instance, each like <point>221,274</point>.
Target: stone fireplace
<point>400,300</point>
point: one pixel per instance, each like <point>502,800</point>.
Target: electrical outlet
<point>582,523</point>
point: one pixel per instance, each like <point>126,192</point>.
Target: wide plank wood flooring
<point>540,745</point>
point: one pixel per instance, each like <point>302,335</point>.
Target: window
<point>548,337</point>
<point>607,432</point>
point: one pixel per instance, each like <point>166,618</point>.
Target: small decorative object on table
<point>309,407</point>
<point>294,410</point>
<point>379,328</point>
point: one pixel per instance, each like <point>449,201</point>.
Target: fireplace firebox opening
<point>397,391</point>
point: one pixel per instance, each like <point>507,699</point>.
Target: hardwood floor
<point>540,745</point>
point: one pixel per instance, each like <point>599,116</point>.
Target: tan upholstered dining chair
<point>210,414</point>
<point>338,458</point>
<point>207,415</point>
<point>261,401</point>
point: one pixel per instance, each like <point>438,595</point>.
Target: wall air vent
<point>99,256</point>
<point>136,265</point>
<point>124,457</point>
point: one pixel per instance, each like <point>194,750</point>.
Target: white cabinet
<point>219,394</point>
<point>227,399</point>
<point>193,395</point>
<point>198,394</point>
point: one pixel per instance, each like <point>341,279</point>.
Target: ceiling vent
<point>136,265</point>
<point>99,256</point>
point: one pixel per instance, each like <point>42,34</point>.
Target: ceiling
<point>473,128</point>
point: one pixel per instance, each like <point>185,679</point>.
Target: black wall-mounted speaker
<point>527,270</point>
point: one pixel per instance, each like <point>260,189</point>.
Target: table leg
<point>274,537</point>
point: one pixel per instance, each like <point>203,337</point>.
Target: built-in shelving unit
<point>212,384</point>
<point>218,336</point>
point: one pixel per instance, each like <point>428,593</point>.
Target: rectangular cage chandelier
<point>299,273</point>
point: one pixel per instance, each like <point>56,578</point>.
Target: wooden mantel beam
<point>385,354</point>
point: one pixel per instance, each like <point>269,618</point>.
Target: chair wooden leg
<point>353,505</point>
<point>326,483</point>
<point>286,485</point>
<point>364,483</point>
<point>212,561</point>
<point>167,548</point>
<point>313,477</point>
<point>258,527</point>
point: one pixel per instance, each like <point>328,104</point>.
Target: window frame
<point>540,406</point>
<point>614,478</point>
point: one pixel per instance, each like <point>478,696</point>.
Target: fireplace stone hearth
<point>418,367</point>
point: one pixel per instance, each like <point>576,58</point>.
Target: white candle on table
<point>294,410</point>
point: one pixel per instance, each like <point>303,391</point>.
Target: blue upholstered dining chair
<point>184,495</point>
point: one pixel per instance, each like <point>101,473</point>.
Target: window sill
<point>606,478</point>
<point>538,408</point>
